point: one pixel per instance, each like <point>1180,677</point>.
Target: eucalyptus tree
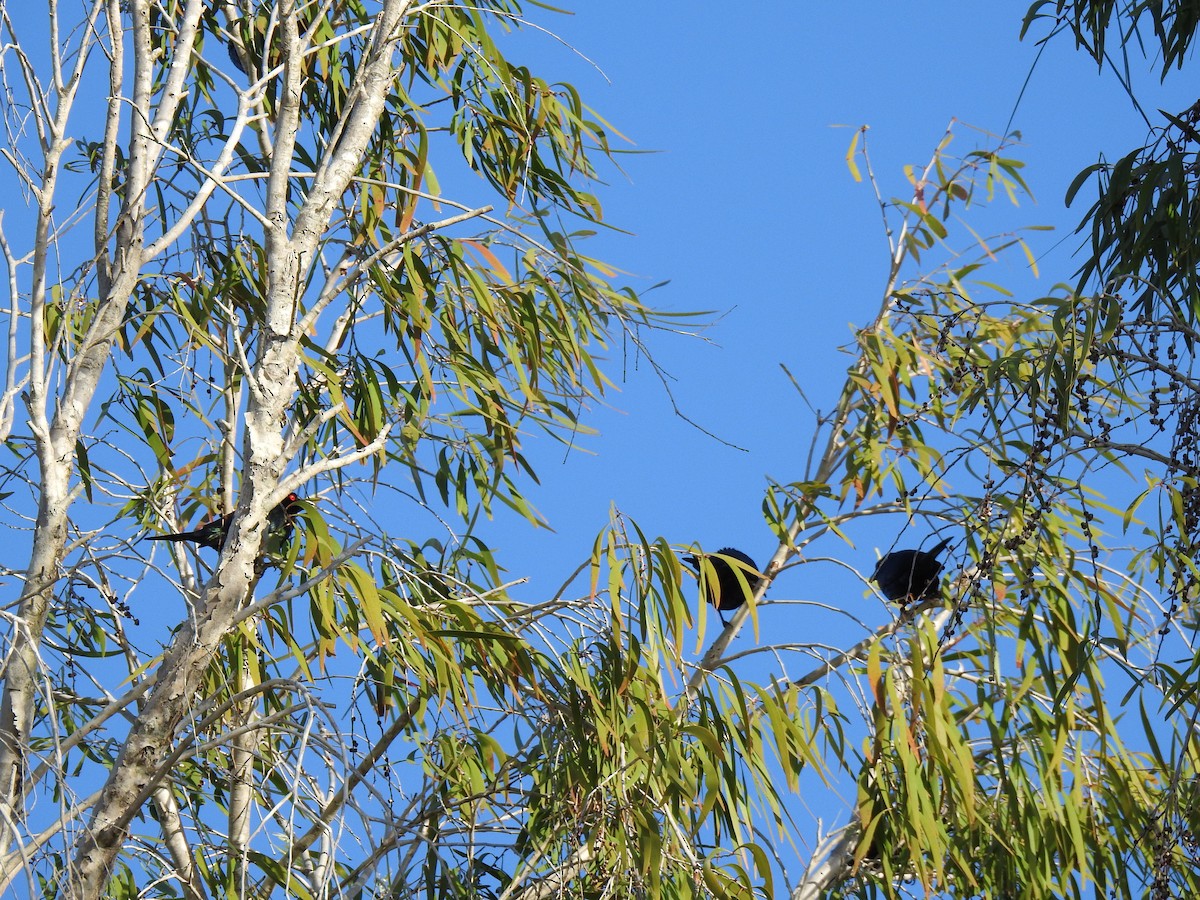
<point>1035,737</point>
<point>336,249</point>
<point>256,249</point>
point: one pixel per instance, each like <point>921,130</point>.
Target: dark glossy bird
<point>212,534</point>
<point>235,56</point>
<point>725,591</point>
<point>906,576</point>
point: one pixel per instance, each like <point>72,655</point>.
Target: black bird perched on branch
<point>725,590</point>
<point>910,575</point>
<point>212,534</point>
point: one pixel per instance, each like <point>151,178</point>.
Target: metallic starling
<point>906,576</point>
<point>725,591</point>
<point>212,534</point>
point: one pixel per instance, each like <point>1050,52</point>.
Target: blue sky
<point>746,206</point>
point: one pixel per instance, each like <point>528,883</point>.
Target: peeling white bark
<point>264,459</point>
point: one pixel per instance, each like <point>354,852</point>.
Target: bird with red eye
<point>907,576</point>
<point>719,577</point>
<point>213,534</point>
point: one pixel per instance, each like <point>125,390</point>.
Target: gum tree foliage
<point>1036,736</point>
<point>236,269</point>
<point>336,249</point>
